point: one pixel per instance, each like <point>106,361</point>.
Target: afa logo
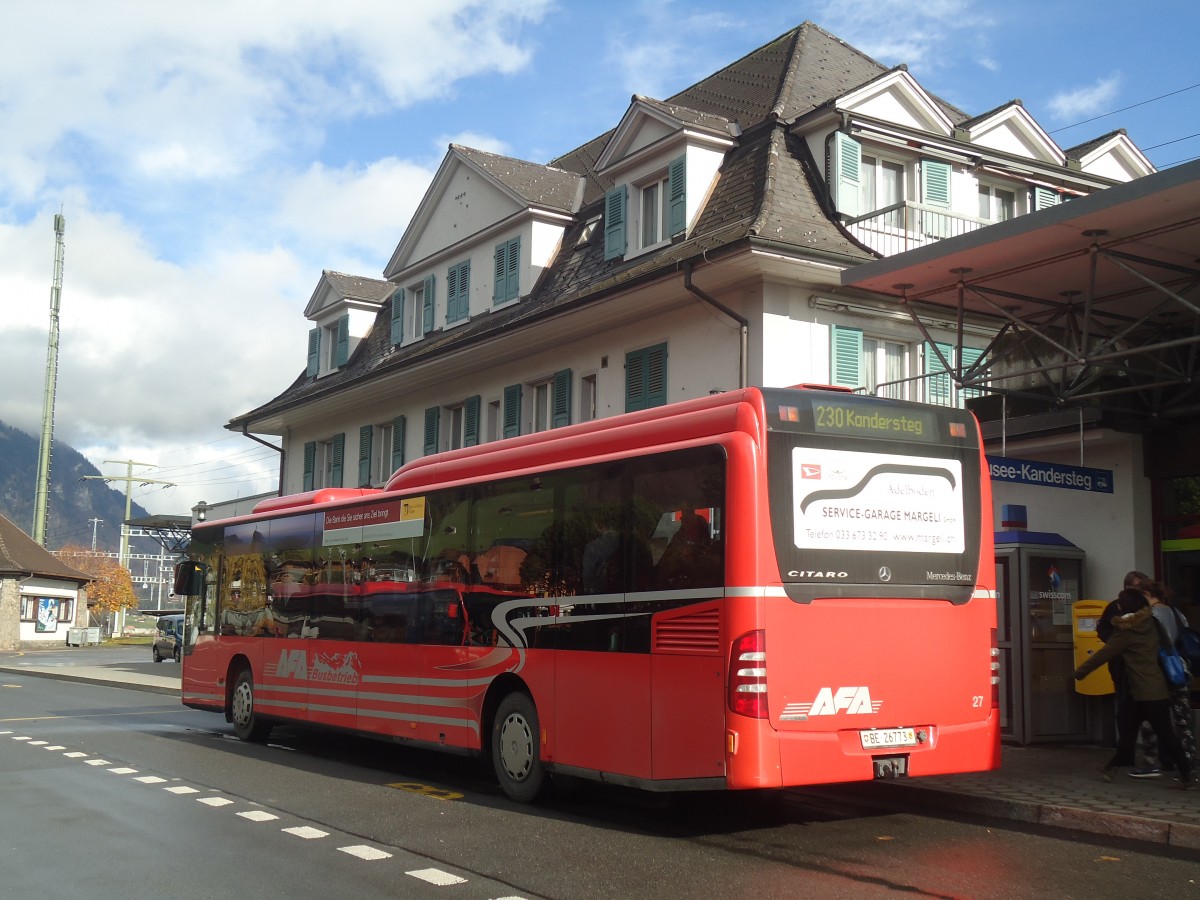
<point>853,701</point>
<point>338,668</point>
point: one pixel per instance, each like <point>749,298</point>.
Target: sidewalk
<point>1051,785</point>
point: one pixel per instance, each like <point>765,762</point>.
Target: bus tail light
<point>995,671</point>
<point>748,675</point>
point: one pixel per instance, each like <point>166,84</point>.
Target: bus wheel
<point>246,724</point>
<point>516,748</point>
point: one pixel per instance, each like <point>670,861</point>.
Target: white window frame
<point>660,184</point>
<point>323,464</point>
<point>541,405</point>
<point>495,420</point>
<point>897,389</point>
<point>873,163</point>
<point>589,397</point>
<point>328,349</point>
<point>381,454</point>
<point>414,311</point>
<point>990,190</point>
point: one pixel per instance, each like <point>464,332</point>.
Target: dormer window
<point>996,204</point>
<point>659,206</point>
<point>412,311</point>
<point>653,220</point>
<point>328,346</point>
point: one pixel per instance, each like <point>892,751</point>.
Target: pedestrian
<point>1104,631</point>
<point>1135,639</point>
<point>1158,759</point>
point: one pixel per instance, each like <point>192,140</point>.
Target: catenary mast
<point>42,493</point>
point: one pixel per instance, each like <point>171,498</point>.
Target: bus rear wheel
<point>247,724</point>
<point>516,748</point>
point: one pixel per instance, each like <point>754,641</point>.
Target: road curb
<point>88,679</point>
<point>1051,815</point>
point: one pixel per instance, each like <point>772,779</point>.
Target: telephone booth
<point>1039,576</point>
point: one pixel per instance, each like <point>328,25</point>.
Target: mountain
<point>73,502</point>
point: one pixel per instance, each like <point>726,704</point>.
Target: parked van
<point>168,638</point>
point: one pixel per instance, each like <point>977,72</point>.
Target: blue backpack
<point>1188,643</point>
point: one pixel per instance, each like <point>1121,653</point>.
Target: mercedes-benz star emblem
<point>885,574</point>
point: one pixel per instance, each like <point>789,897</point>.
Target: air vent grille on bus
<point>695,632</point>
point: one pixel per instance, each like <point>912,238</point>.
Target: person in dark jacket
<point>1104,630</point>
<point>1135,639</point>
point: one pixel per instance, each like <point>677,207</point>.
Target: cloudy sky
<point>211,158</point>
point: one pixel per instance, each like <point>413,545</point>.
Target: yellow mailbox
<point>1084,616</point>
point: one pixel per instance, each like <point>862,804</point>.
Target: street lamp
<point>200,511</point>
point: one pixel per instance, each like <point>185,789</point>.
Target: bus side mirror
<point>189,579</point>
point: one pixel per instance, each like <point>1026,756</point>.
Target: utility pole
<point>95,523</point>
<point>129,479</point>
<point>42,489</point>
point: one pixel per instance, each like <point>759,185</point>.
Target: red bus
<point>760,588</point>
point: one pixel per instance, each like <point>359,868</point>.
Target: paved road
<point>433,812</point>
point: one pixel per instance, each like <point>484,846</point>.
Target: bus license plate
<point>877,738</point>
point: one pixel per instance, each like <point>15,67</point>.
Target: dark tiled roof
<point>1081,150</point>
<point>537,185</point>
<point>687,116</point>
<point>358,287</point>
<point>975,120</point>
<point>22,555</point>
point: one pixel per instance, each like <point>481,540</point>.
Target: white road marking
<point>57,747</point>
<point>364,852</point>
<point>214,801</point>
<point>24,737</point>
<point>257,815</point>
<point>307,832</point>
<point>151,779</point>
<point>436,876</point>
<point>182,789</point>
<point>97,762</point>
<point>75,754</point>
<point>123,770</point>
<point>37,743</point>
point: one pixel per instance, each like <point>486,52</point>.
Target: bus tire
<point>247,724</point>
<point>517,747</point>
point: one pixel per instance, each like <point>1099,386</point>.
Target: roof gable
<point>897,98</point>
<point>1114,156</point>
<point>650,123</point>
<point>1011,129</point>
<point>474,190</point>
<point>336,290</point>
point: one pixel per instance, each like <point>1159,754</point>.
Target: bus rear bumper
<point>759,757</point>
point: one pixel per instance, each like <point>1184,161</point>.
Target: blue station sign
<point>1055,475</point>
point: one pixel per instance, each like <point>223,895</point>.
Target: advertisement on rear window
<point>877,502</point>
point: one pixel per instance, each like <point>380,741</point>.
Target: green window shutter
<point>845,173</point>
<point>646,378</point>
<point>937,384</point>
<point>310,463</point>
<point>339,455</point>
<point>499,267</point>
<point>512,278</point>
<point>614,221</point>
<point>397,316</point>
<point>677,191</point>
<point>935,183</point>
<point>562,398</point>
<point>314,351</point>
<point>452,294</point>
<point>471,421</point>
<point>433,417</point>
<point>366,435</point>
<point>397,442</point>
<point>512,410</point>
<point>458,291</point>
<point>846,356</point>
<point>342,350</point>
<point>970,356</point>
<point>1044,198</point>
<point>427,309</point>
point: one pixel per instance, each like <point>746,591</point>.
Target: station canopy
<point>1094,305</point>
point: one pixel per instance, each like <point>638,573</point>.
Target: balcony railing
<point>906,225</point>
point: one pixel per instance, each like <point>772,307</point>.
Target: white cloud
<point>183,144</point>
<point>1085,101</point>
<point>925,35</point>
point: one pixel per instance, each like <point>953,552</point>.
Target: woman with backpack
<point>1135,639</point>
<point>1183,719</point>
